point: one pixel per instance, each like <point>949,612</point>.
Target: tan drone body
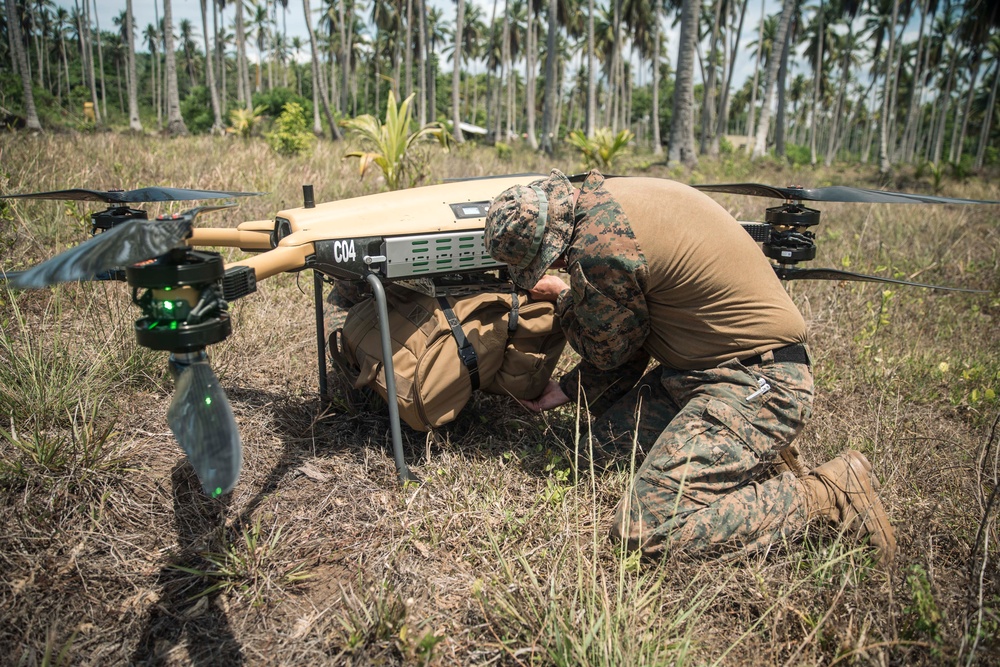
<point>434,209</point>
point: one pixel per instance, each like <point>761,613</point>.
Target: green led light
<point>217,492</point>
<point>153,325</point>
<point>168,305</point>
<point>208,400</point>
<point>173,325</point>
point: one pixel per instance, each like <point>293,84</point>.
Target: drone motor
<point>183,307</point>
<point>789,242</point>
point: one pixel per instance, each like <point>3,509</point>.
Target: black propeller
<point>132,196</point>
<point>124,245</point>
<point>793,273</point>
<point>835,193</point>
<point>202,420</point>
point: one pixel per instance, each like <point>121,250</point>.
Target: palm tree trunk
<point>175,123</point>
<point>219,59</point>
<point>217,125</point>
<point>592,77</point>
<point>817,75</point>
<point>549,104</point>
<point>681,147</point>
<point>943,102</point>
<point>100,60</point>
<point>20,58</point>
<point>242,60</point>
<point>723,124</point>
<point>133,94</point>
<point>984,133</point>
<point>83,26</point>
<point>909,132</point>
<point>959,146</point>
<point>841,94</point>
<point>708,109</point>
<point>884,163</point>
<point>422,62</point>
<point>779,121</point>
<point>409,48</point>
<point>772,71</point>
<point>319,82</point>
<point>657,143</point>
<point>753,87</point>
<point>529,78</point>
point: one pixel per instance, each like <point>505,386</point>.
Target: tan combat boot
<point>844,491</point>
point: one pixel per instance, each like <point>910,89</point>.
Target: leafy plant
<point>243,121</point>
<point>603,149</point>
<point>389,144</point>
<point>291,135</point>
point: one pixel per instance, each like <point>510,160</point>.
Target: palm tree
<point>133,95</point>
<point>100,61</point>
<point>260,28</point>
<point>884,161</point>
<point>456,66</point>
<point>152,37</point>
<point>62,28</point>
<point>682,123</point>
<point>984,130</point>
<point>175,122</point>
<point>772,72</point>
<point>762,48</point>
<point>188,47</point>
<point>319,81</point>
<point>551,90</point>
<point>20,58</point>
<point>217,123</point>
<point>724,103</point>
<point>83,35</point>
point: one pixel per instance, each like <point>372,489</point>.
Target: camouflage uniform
<point>708,445</point>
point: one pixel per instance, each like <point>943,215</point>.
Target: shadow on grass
<point>187,612</point>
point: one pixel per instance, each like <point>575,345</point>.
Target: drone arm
<point>278,260</point>
<point>231,238</point>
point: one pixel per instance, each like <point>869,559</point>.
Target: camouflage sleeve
<point>600,389</point>
<point>607,328</point>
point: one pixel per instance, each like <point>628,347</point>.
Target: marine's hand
<point>552,397</point>
<point>548,288</point>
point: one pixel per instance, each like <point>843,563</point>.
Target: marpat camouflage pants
<point>706,485</point>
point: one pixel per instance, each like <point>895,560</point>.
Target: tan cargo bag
<point>443,348</point>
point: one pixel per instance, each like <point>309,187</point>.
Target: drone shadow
<point>187,607</point>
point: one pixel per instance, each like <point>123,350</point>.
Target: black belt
<point>795,353</point>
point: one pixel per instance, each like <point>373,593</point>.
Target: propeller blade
<point>836,274</point>
<point>203,423</point>
<point>132,196</point>
<point>836,193</point>
<point>123,245</point>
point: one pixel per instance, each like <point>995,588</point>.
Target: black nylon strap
<point>466,352</point>
<point>794,353</point>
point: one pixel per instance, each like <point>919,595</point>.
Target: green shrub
<point>603,149</point>
<point>291,135</point>
<point>390,143</point>
<point>504,152</point>
<point>196,110</point>
<point>274,102</point>
<point>797,155</point>
<point>243,122</point>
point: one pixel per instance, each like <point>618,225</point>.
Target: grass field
<point>110,553</point>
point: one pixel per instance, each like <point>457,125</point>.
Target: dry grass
<point>109,553</point>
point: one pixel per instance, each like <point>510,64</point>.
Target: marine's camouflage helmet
<point>529,226</point>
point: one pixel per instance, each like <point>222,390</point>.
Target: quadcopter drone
<point>420,236</point>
